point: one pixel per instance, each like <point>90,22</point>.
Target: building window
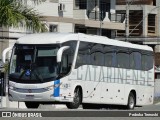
<point>52,28</point>
<point>81,4</point>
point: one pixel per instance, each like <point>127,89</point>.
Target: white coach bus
<point>76,69</point>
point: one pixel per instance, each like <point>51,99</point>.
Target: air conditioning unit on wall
<point>61,7</point>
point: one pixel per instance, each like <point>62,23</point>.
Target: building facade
<point>144,23</point>
<point>84,16</point>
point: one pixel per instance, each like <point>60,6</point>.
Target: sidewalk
<point>157,103</point>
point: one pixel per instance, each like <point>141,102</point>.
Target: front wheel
<point>77,99</point>
<point>131,101</point>
<point>32,104</point>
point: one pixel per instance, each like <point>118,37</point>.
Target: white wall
<point>51,9</point>
<point>65,27</point>
<point>68,8</point>
<point>45,8</point>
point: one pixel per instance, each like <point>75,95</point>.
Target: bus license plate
<point>29,96</point>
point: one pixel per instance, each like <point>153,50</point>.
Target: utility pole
<point>127,20</point>
<point>100,18</point>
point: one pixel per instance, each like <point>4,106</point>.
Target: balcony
<point>137,2</point>
<point>80,14</point>
<point>92,19</point>
<point>95,15</point>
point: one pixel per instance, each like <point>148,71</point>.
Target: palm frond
<point>13,12</point>
<point>35,1</point>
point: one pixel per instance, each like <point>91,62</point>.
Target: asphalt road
<point>112,110</point>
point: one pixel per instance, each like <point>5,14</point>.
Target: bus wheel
<point>76,100</point>
<point>131,101</point>
<point>32,104</point>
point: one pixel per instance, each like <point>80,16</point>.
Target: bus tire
<point>32,104</point>
<point>131,101</point>
<point>77,99</point>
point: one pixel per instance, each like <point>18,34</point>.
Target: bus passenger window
<point>83,57</point>
<point>67,57</point>
<point>144,62</point>
<point>132,61</point>
<point>137,58</point>
<point>108,59</point>
<point>149,62</point>
<point>123,60</point>
<point>97,55</point>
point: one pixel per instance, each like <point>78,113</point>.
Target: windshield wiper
<point>37,75</point>
<point>21,75</point>
<point>35,72</point>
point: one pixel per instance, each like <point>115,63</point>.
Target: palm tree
<point>13,13</point>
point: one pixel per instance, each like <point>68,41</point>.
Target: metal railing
<point>113,17</point>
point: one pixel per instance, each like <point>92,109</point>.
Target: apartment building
<point>85,16</point>
<point>144,23</point>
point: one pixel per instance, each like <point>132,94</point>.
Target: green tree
<point>13,13</point>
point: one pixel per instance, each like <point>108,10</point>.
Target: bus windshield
<point>31,62</point>
<point>38,63</point>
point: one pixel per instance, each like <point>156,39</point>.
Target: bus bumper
<point>46,92</point>
<point>41,97</point>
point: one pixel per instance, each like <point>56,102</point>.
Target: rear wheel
<point>77,99</point>
<point>32,104</point>
<point>131,101</point>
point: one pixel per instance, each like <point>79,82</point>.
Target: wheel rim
<point>131,102</point>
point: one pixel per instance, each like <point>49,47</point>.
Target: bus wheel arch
<point>131,100</point>
<point>77,99</point>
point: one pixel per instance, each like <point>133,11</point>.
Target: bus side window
<point>144,62</point>
<point>109,56</point>
<point>114,59</point>
<point>123,60</point>
<point>123,57</point>
<point>97,55</point>
<point>132,61</point>
<point>149,62</point>
<point>67,57</point>
<point>137,58</point>
<point>80,60</point>
<point>83,57</point>
<point>108,59</point>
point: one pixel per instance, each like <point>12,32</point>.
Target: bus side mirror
<point>60,52</point>
<point>5,51</point>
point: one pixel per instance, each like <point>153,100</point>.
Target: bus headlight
<point>12,88</point>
